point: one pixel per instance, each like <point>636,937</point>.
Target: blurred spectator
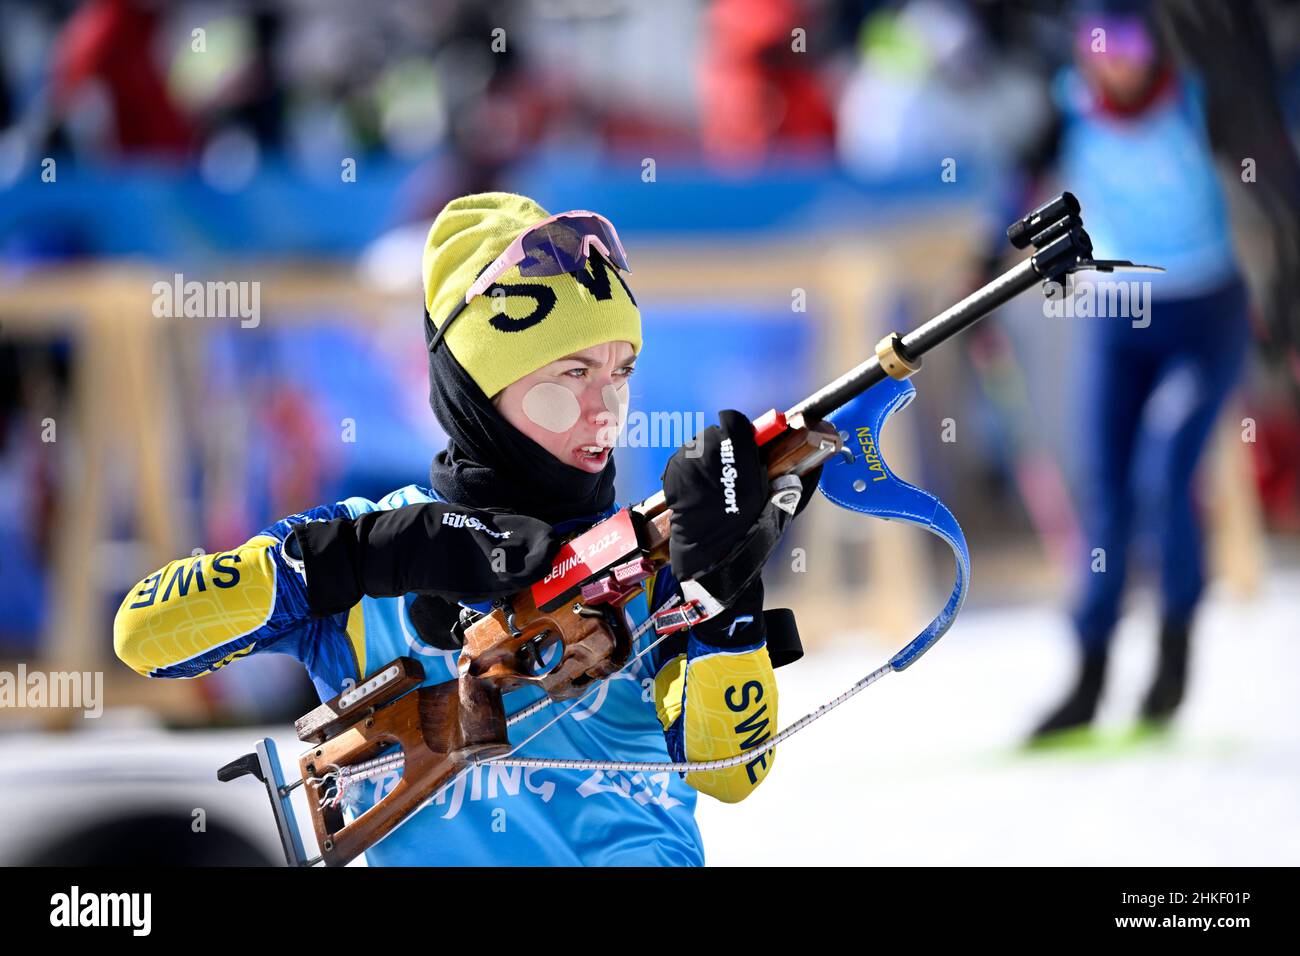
<point>760,85</point>
<point>111,42</point>
<point>928,88</point>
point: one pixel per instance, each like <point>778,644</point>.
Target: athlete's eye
<point>579,372</point>
<point>627,370</point>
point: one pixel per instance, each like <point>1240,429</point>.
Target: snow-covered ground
<point>925,766</point>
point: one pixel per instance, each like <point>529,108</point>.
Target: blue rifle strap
<point>867,485</point>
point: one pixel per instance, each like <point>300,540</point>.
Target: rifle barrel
<point>918,342</point>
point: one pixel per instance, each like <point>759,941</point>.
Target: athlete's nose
<point>593,403</point>
<point>594,408</point>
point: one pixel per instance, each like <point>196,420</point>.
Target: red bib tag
<point>596,549</point>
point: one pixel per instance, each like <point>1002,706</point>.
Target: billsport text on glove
<point>454,552</point>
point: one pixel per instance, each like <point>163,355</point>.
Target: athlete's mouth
<point>592,454</point>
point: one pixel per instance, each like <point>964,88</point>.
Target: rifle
<point>567,632</point>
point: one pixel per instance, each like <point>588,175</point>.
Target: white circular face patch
<point>616,401</point>
<point>552,407</point>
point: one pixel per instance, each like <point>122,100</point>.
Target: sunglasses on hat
<point>551,247</point>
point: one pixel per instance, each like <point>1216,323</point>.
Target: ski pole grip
<point>1020,233</point>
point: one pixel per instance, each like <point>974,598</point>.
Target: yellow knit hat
<point>500,338</point>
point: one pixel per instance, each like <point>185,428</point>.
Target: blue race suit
<point>1153,385</point>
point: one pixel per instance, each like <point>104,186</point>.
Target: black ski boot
<point>1080,704</point>
<point>1166,691</point>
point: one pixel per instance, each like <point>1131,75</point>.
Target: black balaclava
<point>490,464</point>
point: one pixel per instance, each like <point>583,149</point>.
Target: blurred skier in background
<point>1132,145</point>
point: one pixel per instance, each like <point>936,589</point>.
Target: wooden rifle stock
<point>440,730</point>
